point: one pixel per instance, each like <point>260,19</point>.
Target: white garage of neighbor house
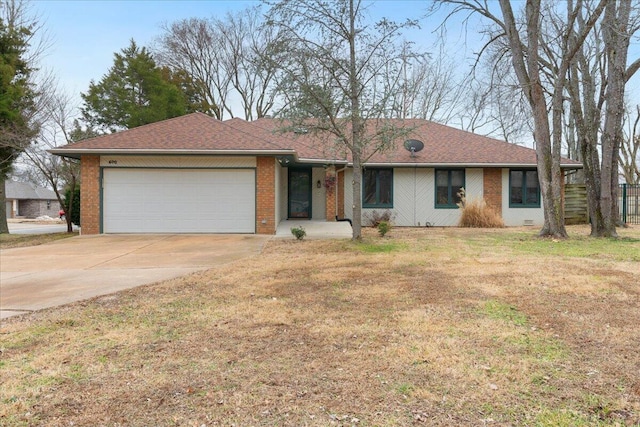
<point>197,174</point>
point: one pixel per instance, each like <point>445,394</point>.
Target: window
<point>448,185</point>
<point>377,188</point>
<point>524,189</point>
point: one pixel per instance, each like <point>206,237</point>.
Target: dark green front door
<point>299,193</point>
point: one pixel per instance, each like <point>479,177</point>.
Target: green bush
<point>384,227</point>
<point>75,214</point>
<point>298,232</point>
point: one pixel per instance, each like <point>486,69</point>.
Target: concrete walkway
<point>78,268</point>
<point>315,229</point>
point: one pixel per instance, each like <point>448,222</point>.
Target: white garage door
<point>178,201</point>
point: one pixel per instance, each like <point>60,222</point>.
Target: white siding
<point>318,200</point>
<point>414,197</point>
<point>348,193</point>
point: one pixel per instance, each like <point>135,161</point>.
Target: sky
<point>85,34</point>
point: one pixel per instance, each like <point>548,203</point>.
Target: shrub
<point>476,214</point>
<point>383,228</point>
<point>298,232</point>
<point>374,218</point>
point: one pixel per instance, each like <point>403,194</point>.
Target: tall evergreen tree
<point>134,92</point>
<point>16,97</point>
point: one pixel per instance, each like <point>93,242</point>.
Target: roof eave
<point>462,165</point>
<point>77,153</point>
<point>323,161</point>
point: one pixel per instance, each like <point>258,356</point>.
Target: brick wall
<point>492,184</point>
<point>266,195</point>
<point>90,195</point>
<point>36,208</point>
<point>330,194</point>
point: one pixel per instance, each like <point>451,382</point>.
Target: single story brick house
<point>197,174</point>
<point>27,200</point>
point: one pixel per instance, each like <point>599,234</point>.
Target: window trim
<point>524,190</point>
<point>376,205</point>
<point>450,195</point>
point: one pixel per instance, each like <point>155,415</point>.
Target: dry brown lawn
<point>10,241</point>
<point>434,327</point>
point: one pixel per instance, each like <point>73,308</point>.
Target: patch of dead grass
<point>9,241</point>
<point>450,327</point>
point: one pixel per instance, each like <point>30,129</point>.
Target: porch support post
<point>330,185</point>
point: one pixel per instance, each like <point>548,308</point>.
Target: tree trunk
<point>70,206</point>
<point>616,39</point>
<point>357,127</point>
<point>357,196</point>
<point>547,150</point>
<point>4,227</point>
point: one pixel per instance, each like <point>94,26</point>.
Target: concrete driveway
<point>82,267</point>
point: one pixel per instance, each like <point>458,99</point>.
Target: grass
<point>430,327</point>
<point>9,241</point>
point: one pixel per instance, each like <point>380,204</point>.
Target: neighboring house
<point>196,174</point>
<point>27,200</point>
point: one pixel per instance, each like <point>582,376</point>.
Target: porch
<point>316,229</point>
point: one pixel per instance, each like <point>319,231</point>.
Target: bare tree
<point>341,76</point>
<point>57,127</point>
<point>544,91</point>
<point>430,87</point>
<point>245,53</point>
<point>495,103</point>
<point>225,61</point>
<point>193,45</point>
<point>596,86</point>
<point>630,149</point>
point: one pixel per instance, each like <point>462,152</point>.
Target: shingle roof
<point>200,133</point>
<point>195,131</point>
<point>27,191</point>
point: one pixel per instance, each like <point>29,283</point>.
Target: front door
<point>299,193</point>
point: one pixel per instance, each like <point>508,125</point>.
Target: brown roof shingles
<point>195,131</point>
<point>198,132</point>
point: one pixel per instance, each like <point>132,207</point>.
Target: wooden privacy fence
<point>629,203</point>
<point>575,204</point>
